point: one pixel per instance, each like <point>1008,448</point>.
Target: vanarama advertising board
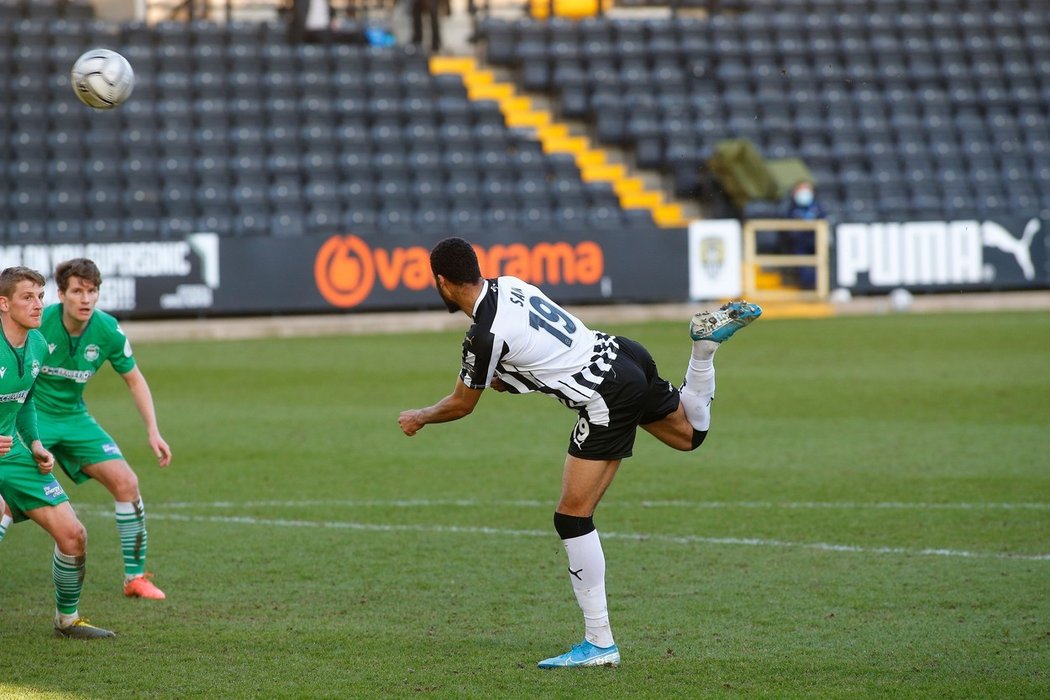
<point>360,272</point>
<point>348,271</point>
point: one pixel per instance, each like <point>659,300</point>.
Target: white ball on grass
<point>900,299</point>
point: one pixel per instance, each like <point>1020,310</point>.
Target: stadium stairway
<point>595,165</point>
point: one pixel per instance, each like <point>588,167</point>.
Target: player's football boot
<point>142,587</point>
<point>81,629</point>
<point>584,654</point>
<point>719,326</point>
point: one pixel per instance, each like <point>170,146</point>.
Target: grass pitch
<point>868,518</point>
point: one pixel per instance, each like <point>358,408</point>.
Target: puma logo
<point>995,236</point>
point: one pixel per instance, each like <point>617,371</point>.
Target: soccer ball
<point>900,300</point>
<point>102,79</point>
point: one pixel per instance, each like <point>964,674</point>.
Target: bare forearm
<point>144,403</point>
<point>456,405</point>
<point>143,398</point>
<point>447,409</point>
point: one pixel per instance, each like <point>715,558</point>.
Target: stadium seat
<point>639,218</point>
<point>396,218</point>
<point>287,223</point>
<point>318,164</point>
<point>458,161</point>
<point>358,220</point>
<point>26,229</point>
<point>463,186</point>
<point>427,187</point>
<point>138,228</point>
<point>244,223</point>
<point>500,38</point>
<point>465,218</point>
<point>322,220</point>
<point>430,218</point>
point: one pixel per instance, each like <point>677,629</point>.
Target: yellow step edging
<point>479,77</point>
<point>570,144</point>
<point>526,119</point>
<point>637,200</point>
<point>555,137</point>
<point>516,103</point>
<point>628,185</point>
<point>491,91</point>
<point>590,158</point>
<point>669,216</point>
<point>452,64</point>
<point>553,131</point>
<point>604,173</point>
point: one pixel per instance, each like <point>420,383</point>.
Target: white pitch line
<point>702,505</point>
<point>635,537</point>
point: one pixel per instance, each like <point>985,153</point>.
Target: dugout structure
<point>755,262</point>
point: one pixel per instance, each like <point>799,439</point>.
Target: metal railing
<point>227,10</point>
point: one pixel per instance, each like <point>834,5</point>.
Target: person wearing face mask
<point>803,204</point>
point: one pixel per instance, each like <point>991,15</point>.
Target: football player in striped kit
<point>521,341</point>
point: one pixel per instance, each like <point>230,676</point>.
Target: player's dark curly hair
<point>455,260</point>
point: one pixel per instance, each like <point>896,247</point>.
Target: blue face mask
<point>804,197</point>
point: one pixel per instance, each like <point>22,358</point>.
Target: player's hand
<point>161,449</point>
<point>45,461</point>
<point>410,422</point>
<point>5,444</point>
<point>497,384</point>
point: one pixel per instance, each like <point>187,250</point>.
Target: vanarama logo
<point>347,270</point>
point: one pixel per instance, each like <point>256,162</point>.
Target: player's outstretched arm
<point>144,403</point>
<point>459,403</point>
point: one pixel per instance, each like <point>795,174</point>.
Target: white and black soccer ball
<point>102,79</point>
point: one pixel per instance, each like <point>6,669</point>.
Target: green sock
<point>68,574</point>
<point>5,522</point>
<point>131,525</point>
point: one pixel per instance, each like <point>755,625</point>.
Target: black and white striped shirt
<point>532,344</point>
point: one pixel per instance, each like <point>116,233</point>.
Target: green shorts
<point>77,441</point>
<point>23,487</point>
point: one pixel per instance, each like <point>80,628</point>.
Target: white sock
<point>62,620</point>
<point>587,573</point>
<point>5,522</point>
<point>699,389</point>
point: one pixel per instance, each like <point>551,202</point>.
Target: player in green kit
<point>80,339</point>
<point>26,483</point>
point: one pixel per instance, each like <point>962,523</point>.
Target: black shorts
<point>631,394</point>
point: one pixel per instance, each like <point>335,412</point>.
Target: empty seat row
<point>263,137</point>
<point>866,98</point>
